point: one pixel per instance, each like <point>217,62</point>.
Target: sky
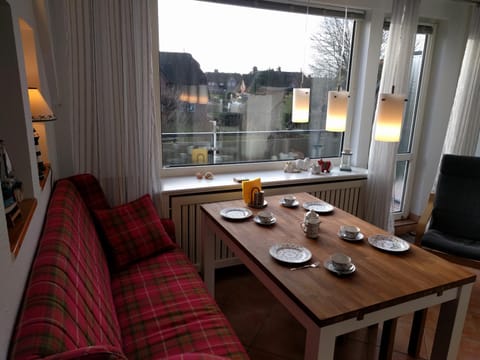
<point>234,38</point>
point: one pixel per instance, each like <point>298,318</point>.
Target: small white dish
<point>295,203</point>
<point>236,213</point>
<point>259,221</point>
<point>359,237</point>
<point>290,253</point>
<point>390,243</point>
<point>320,207</point>
<point>329,266</point>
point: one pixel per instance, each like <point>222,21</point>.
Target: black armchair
<point>454,229</point>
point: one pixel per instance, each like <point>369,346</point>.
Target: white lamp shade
<point>39,107</point>
<point>202,94</point>
<point>337,111</point>
<point>300,105</point>
<point>388,117</point>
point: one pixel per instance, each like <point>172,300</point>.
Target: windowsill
<point>224,182</point>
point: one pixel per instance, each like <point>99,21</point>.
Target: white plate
<point>359,237</point>
<point>320,207</point>
<point>236,213</point>
<point>272,221</point>
<point>388,243</point>
<point>329,266</point>
<point>290,253</point>
<point>294,204</point>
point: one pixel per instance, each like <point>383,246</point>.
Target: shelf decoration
<point>11,187</point>
<point>41,112</point>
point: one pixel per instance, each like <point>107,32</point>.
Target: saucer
<point>265,203</point>
<point>329,266</point>
<point>359,237</point>
<point>272,221</point>
<point>294,204</point>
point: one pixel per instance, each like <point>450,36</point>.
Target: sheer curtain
<point>396,72</point>
<point>464,124</point>
<point>110,84</point>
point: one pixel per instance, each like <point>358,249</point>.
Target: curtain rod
<point>296,8</point>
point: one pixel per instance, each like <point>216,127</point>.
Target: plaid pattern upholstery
<point>91,191</point>
<point>164,309</point>
<point>133,231</point>
<point>68,304</point>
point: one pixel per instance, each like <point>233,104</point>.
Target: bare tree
<point>331,47</point>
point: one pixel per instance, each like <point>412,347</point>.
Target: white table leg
<point>320,344</point>
<point>450,325</point>
<point>208,251</point>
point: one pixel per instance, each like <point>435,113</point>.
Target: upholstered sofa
<point>110,283</point>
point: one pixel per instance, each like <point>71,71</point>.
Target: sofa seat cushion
<point>451,244</point>
<point>164,309</point>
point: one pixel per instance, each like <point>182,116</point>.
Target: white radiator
<point>185,212</point>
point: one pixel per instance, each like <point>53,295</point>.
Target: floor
<point>269,332</point>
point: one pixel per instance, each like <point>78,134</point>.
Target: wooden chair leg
<point>416,334</point>
<point>388,339</point>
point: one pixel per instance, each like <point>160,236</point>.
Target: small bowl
<point>341,262</point>
<point>289,200</point>
<point>265,216</point>
<point>349,231</point>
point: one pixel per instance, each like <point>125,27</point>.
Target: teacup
<point>341,262</point>
<point>265,216</point>
<point>349,231</point>
<point>289,200</point>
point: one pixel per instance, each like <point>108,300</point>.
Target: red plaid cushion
<point>164,309</point>
<point>134,231</point>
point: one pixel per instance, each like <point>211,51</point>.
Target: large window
<point>227,75</point>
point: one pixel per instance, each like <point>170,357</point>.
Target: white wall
<point>14,270</point>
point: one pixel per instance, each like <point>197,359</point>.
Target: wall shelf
<point>17,233</point>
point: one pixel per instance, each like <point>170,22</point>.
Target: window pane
<point>227,75</point>
<point>401,173</point>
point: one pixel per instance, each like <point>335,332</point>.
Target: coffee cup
<point>265,216</point>
<point>289,200</point>
<point>341,262</point>
<point>349,231</point>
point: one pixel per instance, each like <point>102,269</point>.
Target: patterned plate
<point>290,253</point>
<point>320,207</point>
<point>236,213</point>
<point>388,243</point>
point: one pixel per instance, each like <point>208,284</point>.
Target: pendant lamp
<point>337,107</point>
<point>388,117</point>
<point>300,105</point>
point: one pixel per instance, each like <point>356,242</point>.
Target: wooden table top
<point>381,278</point>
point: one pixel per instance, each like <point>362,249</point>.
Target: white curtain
<point>396,72</point>
<point>110,83</point>
<point>464,124</point>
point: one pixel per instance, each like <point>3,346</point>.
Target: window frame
<point>319,9</point>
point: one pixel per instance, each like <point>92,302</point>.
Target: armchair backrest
<point>456,209</point>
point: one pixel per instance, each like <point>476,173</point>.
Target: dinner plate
<point>329,266</point>
<point>359,237</point>
<point>320,207</point>
<point>272,221</point>
<point>290,253</point>
<point>388,243</point>
<point>236,213</point>
<point>294,204</point>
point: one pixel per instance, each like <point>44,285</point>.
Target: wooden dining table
<point>387,283</point>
